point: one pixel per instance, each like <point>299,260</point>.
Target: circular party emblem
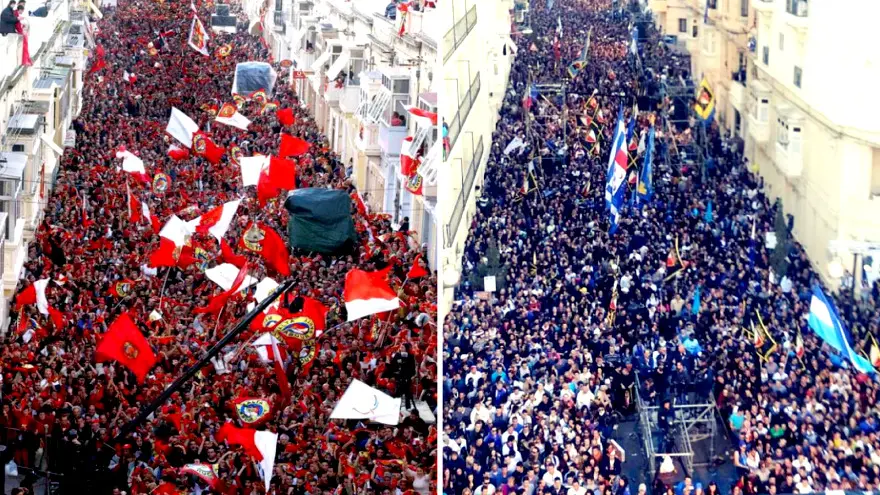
<point>298,327</point>
<point>130,350</point>
<point>306,354</point>
<point>271,320</point>
<point>286,63</point>
<point>235,154</point>
<point>252,410</point>
<point>253,238</point>
<point>228,110</point>
<point>199,144</point>
<point>123,289</point>
<point>161,183</point>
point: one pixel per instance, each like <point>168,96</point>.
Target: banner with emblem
<point>198,37</point>
<point>414,184</point>
<point>204,472</point>
<point>122,288</point>
<point>161,183</point>
<point>705,105</point>
<point>252,411</point>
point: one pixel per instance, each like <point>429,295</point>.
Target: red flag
<point>285,116</point>
<point>240,436</point>
<point>227,255</point>
<point>217,302</point>
<point>259,238</point>
<point>123,342</point>
<point>26,297</point>
<point>99,64</point>
<point>417,271</point>
<point>57,318</point>
<point>292,146</point>
<point>279,175</point>
<point>204,147</point>
<point>177,153</point>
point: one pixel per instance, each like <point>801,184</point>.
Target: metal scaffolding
<point>694,423</point>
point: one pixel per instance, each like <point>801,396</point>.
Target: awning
<point>340,64</point>
<point>14,166</point>
<point>322,59</point>
<point>51,144</point>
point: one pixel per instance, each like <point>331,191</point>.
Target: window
<point>335,52</point>
<point>737,122</point>
<point>766,55</point>
<point>743,8</point>
<point>682,25</point>
<point>18,148</point>
<point>356,66</point>
<point>399,89</point>
<point>782,134</point>
<point>712,4</point>
<point>694,32</point>
<point>798,73</point>
<point>10,205</point>
<point>781,42</point>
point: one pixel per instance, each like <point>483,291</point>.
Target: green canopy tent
<point>320,220</point>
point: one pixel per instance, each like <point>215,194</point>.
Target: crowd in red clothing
<point>60,408</point>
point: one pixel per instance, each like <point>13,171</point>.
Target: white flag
<point>181,127</point>
<point>361,401</point>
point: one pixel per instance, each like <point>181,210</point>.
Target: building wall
<point>830,189</point>
<point>48,45</point>
<point>480,55</point>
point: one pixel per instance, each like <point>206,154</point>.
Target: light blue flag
<point>708,216</point>
<point>695,306</point>
<point>825,321</point>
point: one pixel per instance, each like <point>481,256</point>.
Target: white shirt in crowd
<point>485,490</point>
<point>550,475</point>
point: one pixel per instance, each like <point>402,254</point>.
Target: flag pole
<point>239,327</point>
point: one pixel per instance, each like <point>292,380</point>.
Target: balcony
<point>350,98</point>
<point>468,178</point>
<point>367,139</point>
<point>464,109</point>
<point>391,139</point>
<point>796,17</point>
<point>763,6</point>
<point>10,55</point>
<point>304,60</point>
<point>737,89</point>
<point>457,34</point>
<point>758,110</point>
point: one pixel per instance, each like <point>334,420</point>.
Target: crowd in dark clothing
<point>537,374</point>
<point>60,409</point>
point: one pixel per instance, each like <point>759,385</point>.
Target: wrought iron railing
<point>467,186</point>
<point>458,32</point>
<point>464,109</point>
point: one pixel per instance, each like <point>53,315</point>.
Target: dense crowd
<point>538,374</point>
<point>60,409</point>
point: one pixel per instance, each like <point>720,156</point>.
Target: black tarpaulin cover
<point>253,76</point>
<point>320,220</point>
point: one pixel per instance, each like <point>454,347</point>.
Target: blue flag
<point>645,187</point>
<point>708,216</point>
<point>695,306</point>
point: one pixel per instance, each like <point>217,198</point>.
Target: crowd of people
<point>61,409</point>
<point>584,324</point>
